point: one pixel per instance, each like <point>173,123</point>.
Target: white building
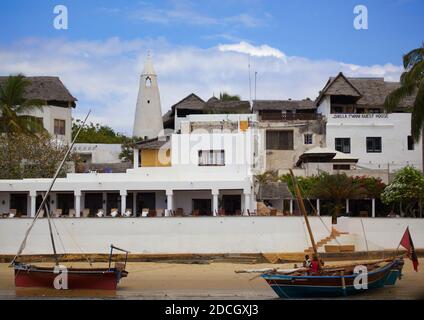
<point>205,168</point>
<point>358,125</point>
<point>56,113</point>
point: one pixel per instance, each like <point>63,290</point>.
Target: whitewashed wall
<point>198,235</point>
<point>394,130</point>
<point>49,114</point>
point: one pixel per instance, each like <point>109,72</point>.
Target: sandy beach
<point>198,281</point>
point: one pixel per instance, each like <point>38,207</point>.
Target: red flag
<point>407,243</point>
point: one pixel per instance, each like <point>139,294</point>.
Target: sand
<point>199,281</point>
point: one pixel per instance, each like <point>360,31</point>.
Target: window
<point>341,166</point>
<point>59,126</point>
<point>410,143</point>
<point>211,158</point>
<point>307,138</point>
<point>374,144</point>
<point>279,140</point>
<point>148,82</point>
<point>343,145</point>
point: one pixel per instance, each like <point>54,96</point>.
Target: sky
<point>203,47</point>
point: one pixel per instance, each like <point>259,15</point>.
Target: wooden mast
<point>44,201</point>
<point>305,215</point>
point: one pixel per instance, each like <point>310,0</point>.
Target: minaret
<point>148,113</point>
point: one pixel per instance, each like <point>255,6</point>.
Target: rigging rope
<point>316,214</point>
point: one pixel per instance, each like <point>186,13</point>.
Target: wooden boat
<point>330,282</point>
<point>58,276</point>
<point>27,276</point>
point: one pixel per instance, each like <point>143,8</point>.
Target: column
<point>247,200</point>
<point>215,195</point>
<point>33,195</point>
<point>347,206</point>
<point>123,194</point>
<point>373,207</point>
<point>291,206</point>
<point>169,202</point>
<point>136,158</point>
<point>104,202</point>
<point>134,203</point>
<point>318,207</point>
<point>77,195</point>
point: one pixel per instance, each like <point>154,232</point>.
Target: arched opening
<point>148,82</point>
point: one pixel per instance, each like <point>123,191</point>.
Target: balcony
<point>290,116</point>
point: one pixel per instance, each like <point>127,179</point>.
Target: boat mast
<point>303,209</point>
<point>44,202</point>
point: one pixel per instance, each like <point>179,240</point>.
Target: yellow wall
<point>150,158</point>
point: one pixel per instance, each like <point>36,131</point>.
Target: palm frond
<point>29,105</point>
<point>396,96</point>
<point>413,57</point>
<point>417,117</point>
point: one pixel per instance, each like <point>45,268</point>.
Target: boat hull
<point>27,276</point>
<point>286,286</point>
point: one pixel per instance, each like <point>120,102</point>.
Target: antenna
<point>250,82</point>
<point>256,73</point>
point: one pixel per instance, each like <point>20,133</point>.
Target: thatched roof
<point>49,89</point>
<point>191,102</point>
<point>274,191</point>
<point>218,106</point>
<point>370,92</point>
<point>283,105</point>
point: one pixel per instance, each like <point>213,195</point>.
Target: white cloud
<point>104,75</point>
<point>260,51</point>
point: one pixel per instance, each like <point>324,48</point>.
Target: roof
<point>283,105</point>
<point>192,102</point>
<point>368,91</point>
<point>322,154</point>
<point>154,144</point>
<point>46,89</point>
<point>219,106</point>
<point>274,191</point>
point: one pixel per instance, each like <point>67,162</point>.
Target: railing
<point>290,116</point>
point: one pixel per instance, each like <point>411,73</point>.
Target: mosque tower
<point>148,122</point>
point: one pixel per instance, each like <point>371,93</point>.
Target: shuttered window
<point>211,158</point>
<point>374,144</point>
<point>343,145</point>
<point>59,127</point>
<point>279,140</point>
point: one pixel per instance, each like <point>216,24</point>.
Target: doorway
<point>65,201</point>
<point>18,201</point>
<point>203,206</point>
<point>231,204</point>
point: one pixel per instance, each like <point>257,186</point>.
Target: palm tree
<point>337,188</point>
<point>223,96</point>
<point>412,81</point>
<point>13,105</point>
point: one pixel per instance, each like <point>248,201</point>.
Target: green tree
<point>29,156</point>
<point>411,81</point>
<point>224,96</point>
<point>336,188</point>
<point>13,106</point>
<point>96,133</point>
<point>407,188</point>
<point>305,184</point>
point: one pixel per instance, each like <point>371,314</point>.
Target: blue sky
<point>201,46</point>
